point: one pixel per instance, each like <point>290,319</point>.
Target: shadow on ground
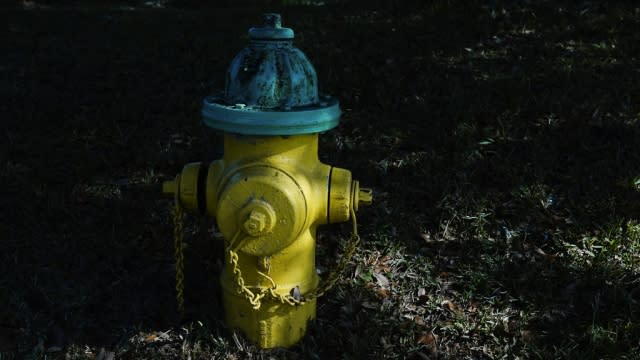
<point>499,140</point>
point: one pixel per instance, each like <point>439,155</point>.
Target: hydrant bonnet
<point>271,89</point>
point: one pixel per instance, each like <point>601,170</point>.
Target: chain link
<point>255,298</point>
<point>178,243</point>
<point>349,250</point>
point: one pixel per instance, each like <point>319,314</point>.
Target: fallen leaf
<point>382,280</point>
<point>449,305</point>
<point>473,307</point>
<point>150,338</point>
<point>547,256</point>
<point>419,320</point>
<point>429,339</point>
<point>426,237</point>
<point>383,293</point>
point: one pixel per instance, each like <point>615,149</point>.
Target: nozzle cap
<point>170,187</point>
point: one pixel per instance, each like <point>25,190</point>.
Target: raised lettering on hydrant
<point>270,192</point>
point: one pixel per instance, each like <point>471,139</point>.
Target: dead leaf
<point>382,280</point>
<point>419,320</point>
<point>429,339</point>
<point>383,268</point>
<point>473,307</point>
<point>383,293</point>
<point>150,338</point>
<point>449,305</point>
<point>382,264</point>
<point>544,254</point>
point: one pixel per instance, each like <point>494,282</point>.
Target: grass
<point>500,140</point>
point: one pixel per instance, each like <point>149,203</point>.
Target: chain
<point>255,299</point>
<point>349,250</point>
<point>178,237</point>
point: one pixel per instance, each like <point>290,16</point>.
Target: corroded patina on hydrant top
<point>270,192</point>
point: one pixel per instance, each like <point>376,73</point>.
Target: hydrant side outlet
<point>270,192</point>
<point>188,187</point>
<point>261,194</point>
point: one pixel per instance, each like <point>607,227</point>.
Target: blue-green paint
<point>272,29</point>
<point>253,121</point>
<point>271,89</point>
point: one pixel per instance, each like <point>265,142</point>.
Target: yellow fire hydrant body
<point>268,195</point>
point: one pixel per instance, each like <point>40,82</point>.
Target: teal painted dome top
<point>271,72</point>
<point>271,88</point>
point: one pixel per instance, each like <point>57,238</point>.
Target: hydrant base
<point>274,325</point>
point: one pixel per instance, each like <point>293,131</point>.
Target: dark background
<point>499,138</point>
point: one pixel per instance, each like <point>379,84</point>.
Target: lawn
<point>499,137</point>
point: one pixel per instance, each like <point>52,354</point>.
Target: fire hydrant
<point>270,192</point>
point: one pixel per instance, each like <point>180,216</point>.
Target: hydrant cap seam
<point>245,120</point>
<point>266,33</point>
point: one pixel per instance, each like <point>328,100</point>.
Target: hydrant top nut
<point>261,219</point>
<point>271,29</point>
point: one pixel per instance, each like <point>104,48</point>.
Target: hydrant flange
<point>248,120</point>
